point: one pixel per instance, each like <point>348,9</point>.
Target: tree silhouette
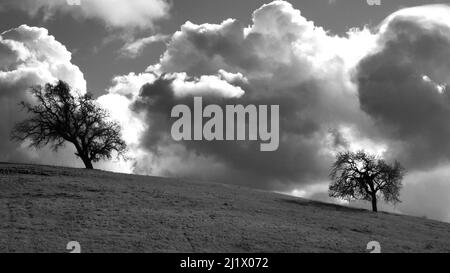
<point>359,176</point>
<point>59,117</point>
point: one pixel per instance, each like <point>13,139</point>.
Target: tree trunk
<point>88,163</point>
<point>374,203</point>
<point>81,154</point>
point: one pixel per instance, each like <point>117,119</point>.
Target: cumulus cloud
<point>134,48</point>
<point>30,56</point>
<point>403,86</point>
<point>283,59</point>
<point>140,14</point>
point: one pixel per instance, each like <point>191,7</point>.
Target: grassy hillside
<point>43,208</point>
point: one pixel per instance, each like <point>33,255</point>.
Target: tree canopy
<point>359,176</point>
<point>59,116</point>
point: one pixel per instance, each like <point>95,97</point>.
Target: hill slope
<point>43,208</point>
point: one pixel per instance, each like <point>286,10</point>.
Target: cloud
<point>279,59</point>
<point>135,48</point>
<point>130,14</point>
<point>31,53</point>
<point>403,86</point>
<point>30,56</point>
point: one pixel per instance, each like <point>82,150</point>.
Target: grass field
<point>43,208</point>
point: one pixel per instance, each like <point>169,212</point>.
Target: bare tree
<point>59,117</point>
<point>359,176</point>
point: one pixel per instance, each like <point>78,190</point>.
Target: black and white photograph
<point>224,126</point>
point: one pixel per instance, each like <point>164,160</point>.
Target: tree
<point>359,176</point>
<point>59,117</point>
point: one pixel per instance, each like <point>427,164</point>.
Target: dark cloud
<point>297,159</point>
<point>403,87</point>
<point>273,65</point>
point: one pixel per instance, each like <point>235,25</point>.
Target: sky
<point>347,76</point>
<point>96,47</point>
